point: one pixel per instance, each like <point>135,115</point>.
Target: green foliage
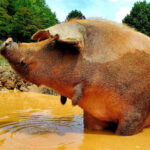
<point>75,14</point>
<point>11,7</point>
<point>46,17</point>
<point>21,18</point>
<point>4,21</point>
<point>139,17</point>
<point>23,24</point>
<point>4,3</point>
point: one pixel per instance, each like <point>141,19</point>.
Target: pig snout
<point>7,45</point>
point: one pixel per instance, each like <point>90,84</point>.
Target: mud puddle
<point>30,121</point>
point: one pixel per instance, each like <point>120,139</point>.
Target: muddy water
<point>31,121</point>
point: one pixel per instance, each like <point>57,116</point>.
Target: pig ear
<point>41,35</point>
<point>69,32</point>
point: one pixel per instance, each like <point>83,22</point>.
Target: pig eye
<point>21,64</point>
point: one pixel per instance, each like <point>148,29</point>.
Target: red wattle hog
<point>101,66</point>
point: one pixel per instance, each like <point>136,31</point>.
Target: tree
<point>4,21</point>
<point>4,3</point>
<point>75,14</point>
<point>21,18</point>
<point>11,8</point>
<point>23,24</point>
<point>46,17</point>
<point>139,17</point>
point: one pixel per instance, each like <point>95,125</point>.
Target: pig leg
<point>78,91</point>
<point>92,123</point>
<point>63,99</point>
<point>147,122</point>
<point>132,122</point>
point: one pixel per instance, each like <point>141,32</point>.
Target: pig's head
<point>28,59</point>
<point>36,61</point>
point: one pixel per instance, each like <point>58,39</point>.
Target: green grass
<point>1,42</point>
<point>3,61</point>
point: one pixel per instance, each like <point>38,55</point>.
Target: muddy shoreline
<point>9,80</point>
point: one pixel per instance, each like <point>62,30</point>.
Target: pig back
<point>107,41</point>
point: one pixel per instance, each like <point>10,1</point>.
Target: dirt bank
<point>9,80</point>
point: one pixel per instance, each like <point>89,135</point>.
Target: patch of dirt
<point>9,80</point>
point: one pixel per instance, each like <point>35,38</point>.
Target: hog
<point>103,67</point>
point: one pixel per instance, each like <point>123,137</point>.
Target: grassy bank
<point>3,62</point>
<point>1,42</point>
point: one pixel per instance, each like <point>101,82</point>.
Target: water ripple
<point>39,124</point>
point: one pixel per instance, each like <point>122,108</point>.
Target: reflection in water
<point>31,121</point>
<point>38,124</point>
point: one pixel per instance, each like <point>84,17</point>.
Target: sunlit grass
<point>3,62</point>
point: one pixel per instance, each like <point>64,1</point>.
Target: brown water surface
<point>30,121</point>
